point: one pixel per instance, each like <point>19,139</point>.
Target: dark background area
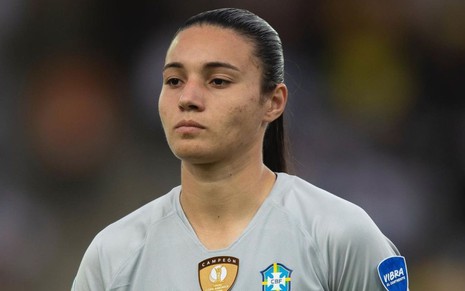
<point>376,116</point>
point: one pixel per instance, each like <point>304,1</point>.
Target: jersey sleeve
<point>89,276</point>
<point>355,247</point>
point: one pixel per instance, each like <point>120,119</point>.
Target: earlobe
<point>277,103</point>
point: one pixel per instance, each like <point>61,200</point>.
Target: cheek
<point>247,107</point>
<point>164,105</point>
<point>163,112</point>
<point>245,119</point>
<point>237,115</point>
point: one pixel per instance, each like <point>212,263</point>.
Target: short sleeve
<point>355,248</point>
<point>89,275</point>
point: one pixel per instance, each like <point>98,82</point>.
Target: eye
<point>217,82</point>
<point>173,82</point>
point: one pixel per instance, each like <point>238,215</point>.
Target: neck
<point>223,199</point>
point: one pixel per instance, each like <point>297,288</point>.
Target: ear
<point>276,103</point>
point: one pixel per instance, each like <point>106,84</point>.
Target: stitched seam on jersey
<point>129,257</point>
<point>119,286</point>
<point>99,263</point>
<point>305,233</point>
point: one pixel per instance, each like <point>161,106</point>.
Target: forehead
<point>207,43</point>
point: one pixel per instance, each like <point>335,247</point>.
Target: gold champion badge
<point>218,273</point>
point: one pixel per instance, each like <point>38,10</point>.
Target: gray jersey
<point>301,238</point>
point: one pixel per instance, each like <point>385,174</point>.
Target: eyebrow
<point>212,65</point>
<point>209,65</point>
<point>172,65</point>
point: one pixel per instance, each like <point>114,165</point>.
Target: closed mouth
<point>188,123</point>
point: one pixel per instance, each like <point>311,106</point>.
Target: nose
<point>191,98</point>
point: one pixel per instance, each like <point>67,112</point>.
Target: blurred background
<point>376,116</point>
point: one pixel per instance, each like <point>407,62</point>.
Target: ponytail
<point>275,146</point>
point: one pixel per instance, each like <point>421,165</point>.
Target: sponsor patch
<point>218,273</point>
<point>276,277</point>
<point>393,273</point>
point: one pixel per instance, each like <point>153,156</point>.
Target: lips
<point>188,123</point>
<point>188,128</point>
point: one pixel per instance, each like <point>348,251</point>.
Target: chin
<point>193,157</point>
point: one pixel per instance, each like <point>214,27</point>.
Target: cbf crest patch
<point>276,277</point>
<point>218,273</point>
<point>393,273</point>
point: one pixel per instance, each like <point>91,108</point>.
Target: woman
<point>237,222</point>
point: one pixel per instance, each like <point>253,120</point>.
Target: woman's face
<point>210,103</point>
